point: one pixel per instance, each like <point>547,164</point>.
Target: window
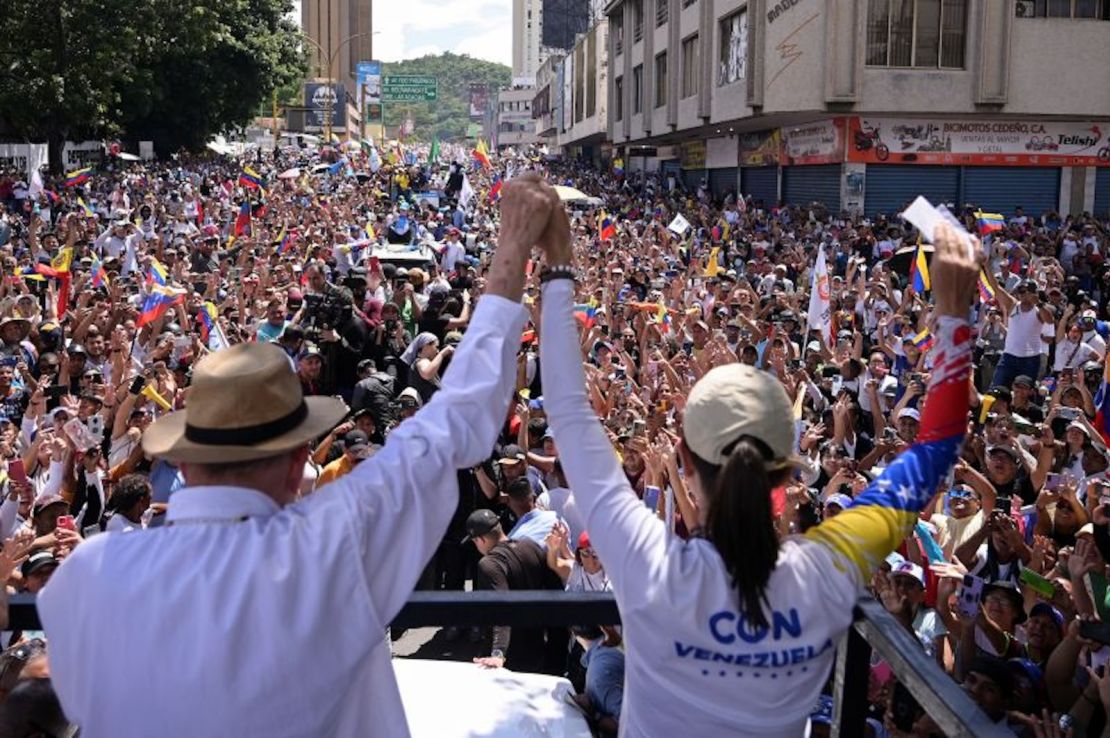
<point>637,89</point>
<point>661,80</point>
<point>688,3</point>
<point>616,29</point>
<point>618,93</point>
<point>591,73</point>
<point>690,71</point>
<point>662,10</point>
<point>929,34</point>
<point>1063,9</point>
<point>734,48</point>
<point>637,20</point>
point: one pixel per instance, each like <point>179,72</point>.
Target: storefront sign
<point>821,142</point>
<point>978,142</point>
<point>693,155</point>
<point>760,149</point>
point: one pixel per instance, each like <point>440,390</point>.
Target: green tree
<point>64,64</point>
<point>449,115</point>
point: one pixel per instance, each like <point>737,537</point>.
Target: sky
<point>412,28</point>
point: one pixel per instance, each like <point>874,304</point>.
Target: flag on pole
<point>585,314</point>
<point>157,273</point>
<point>919,270</point>
<point>989,222</point>
<point>466,194</point>
<point>251,179</point>
<point>495,190</point>
<point>210,331</point>
<point>433,153</point>
<point>923,340</point>
<point>243,221</point>
<point>986,292</point>
<point>285,240</point>
<point>36,188</point>
<point>160,299</point>
<point>606,229</point>
<point>78,176</point>
<point>85,207</point>
<point>820,317</point>
<point>99,274</point>
<point>481,154</point>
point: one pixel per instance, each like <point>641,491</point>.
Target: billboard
<point>562,21</point>
<point>319,99</point>
<point>820,142</point>
<point>370,90</point>
<point>479,100</point>
<point>978,142</point>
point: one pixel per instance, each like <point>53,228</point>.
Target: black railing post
<point>850,679</point>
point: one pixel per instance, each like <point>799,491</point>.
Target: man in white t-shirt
<point>1025,317</point>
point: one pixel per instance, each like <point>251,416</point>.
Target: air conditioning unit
<point>1025,9</point>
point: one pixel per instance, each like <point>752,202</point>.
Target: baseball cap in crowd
<point>995,669</point>
<point>37,562</point>
<point>1044,608</point>
<point>409,397</point>
<point>358,443</point>
<point>479,523</point>
<point>733,401</point>
<point>45,502</point>
<point>1022,380</point>
<point>1076,425</point>
<point>1009,450</point>
<point>511,454</point>
<point>452,338</point>
<point>247,404</point>
<point>310,349</point>
<point>909,569</point>
<point>840,500</point>
<point>1011,591</point>
<point>910,412</point>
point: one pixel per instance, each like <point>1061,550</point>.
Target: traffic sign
<point>409,88</point>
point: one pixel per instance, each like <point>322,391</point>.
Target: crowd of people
<point>366,265</point>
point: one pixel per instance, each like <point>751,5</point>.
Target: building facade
<point>582,123</point>
<point>515,126</point>
<point>340,31</point>
<point>864,104</point>
<point>528,50</point>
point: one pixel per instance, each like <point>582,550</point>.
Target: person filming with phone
<point>270,612</point>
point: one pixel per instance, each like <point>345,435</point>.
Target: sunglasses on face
<point>587,553</point>
<point>960,494</point>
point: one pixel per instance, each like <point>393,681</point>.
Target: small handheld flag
<point>85,207</point>
<point>78,176</point>
<point>251,179</point>
<point>157,273</point>
<point>989,222</point>
<point>986,292</point>
<point>920,270</point>
<point>243,220</point>
<point>923,340</point>
<point>606,229</point>
<point>159,300</point>
<point>99,274</point>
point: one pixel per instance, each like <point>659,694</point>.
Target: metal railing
<point>874,630</point>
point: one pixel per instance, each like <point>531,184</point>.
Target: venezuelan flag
<point>99,274</point>
<point>85,207</point>
<point>210,331</point>
<point>251,179</point>
<point>923,340</point>
<point>243,220</point>
<point>78,176</point>
<point>59,265</point>
<point>285,240</point>
<point>159,300</point>
<point>157,273</point>
<point>919,270</point>
<point>989,222</point>
<point>663,317</point>
<point>606,229</point>
<point>1102,406</point>
<point>495,190</point>
<point>986,292</point>
<point>884,514</point>
<point>481,154</point>
<point>585,314</point>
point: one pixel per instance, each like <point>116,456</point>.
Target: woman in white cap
<point>736,626</point>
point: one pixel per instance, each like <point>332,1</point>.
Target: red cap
<point>584,540</point>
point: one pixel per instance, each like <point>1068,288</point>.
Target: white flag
<point>467,192</point>
<point>679,225</point>
<point>820,317</point>
<point>34,191</point>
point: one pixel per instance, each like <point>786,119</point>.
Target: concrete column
<point>674,61</point>
<point>1089,181</point>
<point>757,39</point>
<point>627,120</point>
<point>1064,198</point>
<point>988,51</point>
<point>845,29</point>
<point>706,33</point>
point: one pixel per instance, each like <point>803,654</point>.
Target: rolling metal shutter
<point>889,188</point>
<point>692,178</point>
<point>1102,192</point>
<point>1001,189</point>
<point>672,166</point>
<point>760,184</point>
<point>821,183</point>
<point>722,181</point>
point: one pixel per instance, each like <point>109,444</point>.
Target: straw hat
<point>245,404</point>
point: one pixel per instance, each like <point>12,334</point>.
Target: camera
<point>323,312</point>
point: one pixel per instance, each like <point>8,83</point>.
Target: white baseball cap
<point>737,400</point>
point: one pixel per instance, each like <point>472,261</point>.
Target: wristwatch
<point>497,653</point>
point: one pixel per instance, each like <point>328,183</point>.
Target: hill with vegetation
<point>449,116</point>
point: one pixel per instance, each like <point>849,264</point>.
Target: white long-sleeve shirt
<point>685,632</point>
<point>242,618</point>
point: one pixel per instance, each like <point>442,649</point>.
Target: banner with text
<point>820,142</point>
<point>978,142</point>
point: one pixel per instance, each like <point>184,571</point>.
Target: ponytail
<point>740,521</point>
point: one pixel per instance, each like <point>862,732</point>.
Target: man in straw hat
<point>253,613</point>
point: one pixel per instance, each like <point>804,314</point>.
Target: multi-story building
<point>549,82</point>
<point>515,126</point>
<point>341,35</point>
<point>528,50</point>
<point>864,104</point>
<point>582,115</point>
